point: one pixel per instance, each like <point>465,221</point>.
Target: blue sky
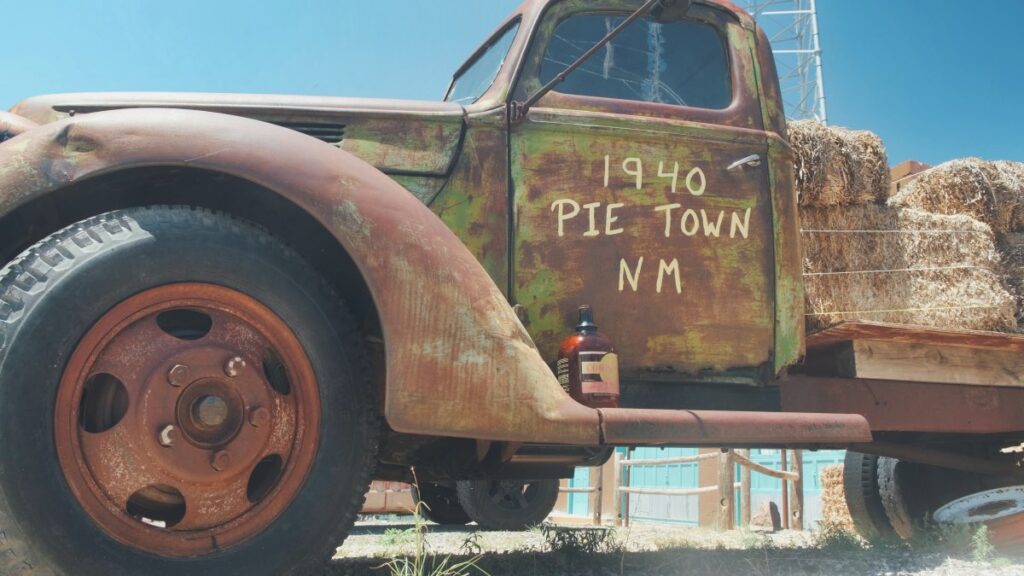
<point>938,79</point>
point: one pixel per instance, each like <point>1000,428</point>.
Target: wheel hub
<point>211,412</point>
<point>173,427</point>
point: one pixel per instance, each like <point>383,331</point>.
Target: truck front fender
<point>459,362</point>
<point>11,125</point>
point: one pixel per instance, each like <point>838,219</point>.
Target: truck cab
<point>652,184</point>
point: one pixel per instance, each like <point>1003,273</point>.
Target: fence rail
<point>667,461</point>
<point>725,516</point>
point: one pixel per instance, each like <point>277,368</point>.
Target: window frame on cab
<point>744,111</point>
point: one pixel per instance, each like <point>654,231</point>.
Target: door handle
<point>753,161</point>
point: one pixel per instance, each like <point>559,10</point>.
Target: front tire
<point>179,393</point>
<point>508,504</point>
<point>441,504</point>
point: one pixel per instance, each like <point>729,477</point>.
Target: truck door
<point>641,188</point>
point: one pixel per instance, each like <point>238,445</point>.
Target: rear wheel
<point>860,484</point>
<point>890,498</point>
<point>441,504</point>
<point>179,393</point>
<point>508,504</point>
<point>1000,509</point>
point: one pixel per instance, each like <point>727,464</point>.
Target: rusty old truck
<point>223,316</point>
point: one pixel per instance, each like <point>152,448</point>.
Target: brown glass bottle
<point>588,367</point>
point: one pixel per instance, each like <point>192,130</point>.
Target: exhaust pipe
<point>719,428</point>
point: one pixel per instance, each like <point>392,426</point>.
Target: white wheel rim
<point>983,506</point>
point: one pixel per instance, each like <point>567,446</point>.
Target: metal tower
<point>792,27</point>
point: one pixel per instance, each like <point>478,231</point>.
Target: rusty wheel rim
<point>187,420</point>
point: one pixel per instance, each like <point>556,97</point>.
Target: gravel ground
<point>651,550</point>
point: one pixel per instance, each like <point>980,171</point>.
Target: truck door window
<point>684,62</point>
<point>475,78</point>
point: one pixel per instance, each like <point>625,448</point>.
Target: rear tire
<point>893,499</point>
<point>893,485</point>
<point>860,483</point>
<point>508,504</point>
<point>51,298</point>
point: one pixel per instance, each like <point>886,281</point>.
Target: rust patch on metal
<point>452,337</point>
<point>474,202</point>
<point>157,442</point>
<point>1007,533</point>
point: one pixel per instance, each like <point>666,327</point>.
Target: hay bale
<point>903,266</point>
<point>836,166</point>
<point>834,511</point>
<point>992,192</point>
<point>1012,249</point>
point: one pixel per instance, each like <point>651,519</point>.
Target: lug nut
<point>221,460</point>
<point>178,376</point>
<point>259,417</point>
<point>167,436</point>
<point>234,366</point>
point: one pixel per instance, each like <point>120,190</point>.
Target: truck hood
<point>397,136</point>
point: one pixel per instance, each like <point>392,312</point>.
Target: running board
<point>721,428</point>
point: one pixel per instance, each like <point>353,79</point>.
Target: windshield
<point>475,79</point>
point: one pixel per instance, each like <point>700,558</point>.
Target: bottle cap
<point>586,319</point>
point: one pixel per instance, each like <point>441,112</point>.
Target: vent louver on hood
<point>326,132</point>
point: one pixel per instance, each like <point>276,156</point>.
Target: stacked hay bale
<point>835,515</point>
<point>903,266</point>
<point>868,257</point>
<point>992,192</point>
<point>836,166</point>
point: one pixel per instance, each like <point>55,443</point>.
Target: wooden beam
<point>916,362</point>
<point>850,331</point>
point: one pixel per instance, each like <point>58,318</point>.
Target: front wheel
<point>508,504</point>
<point>441,504</point>
<point>179,393</point>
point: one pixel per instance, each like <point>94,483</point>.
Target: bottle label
<point>562,370</point>
<point>599,372</point>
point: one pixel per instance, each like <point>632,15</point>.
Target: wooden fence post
<point>745,491</point>
<point>797,499</point>
<point>617,479</point>
<point>598,494</point>
<point>726,492</point>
